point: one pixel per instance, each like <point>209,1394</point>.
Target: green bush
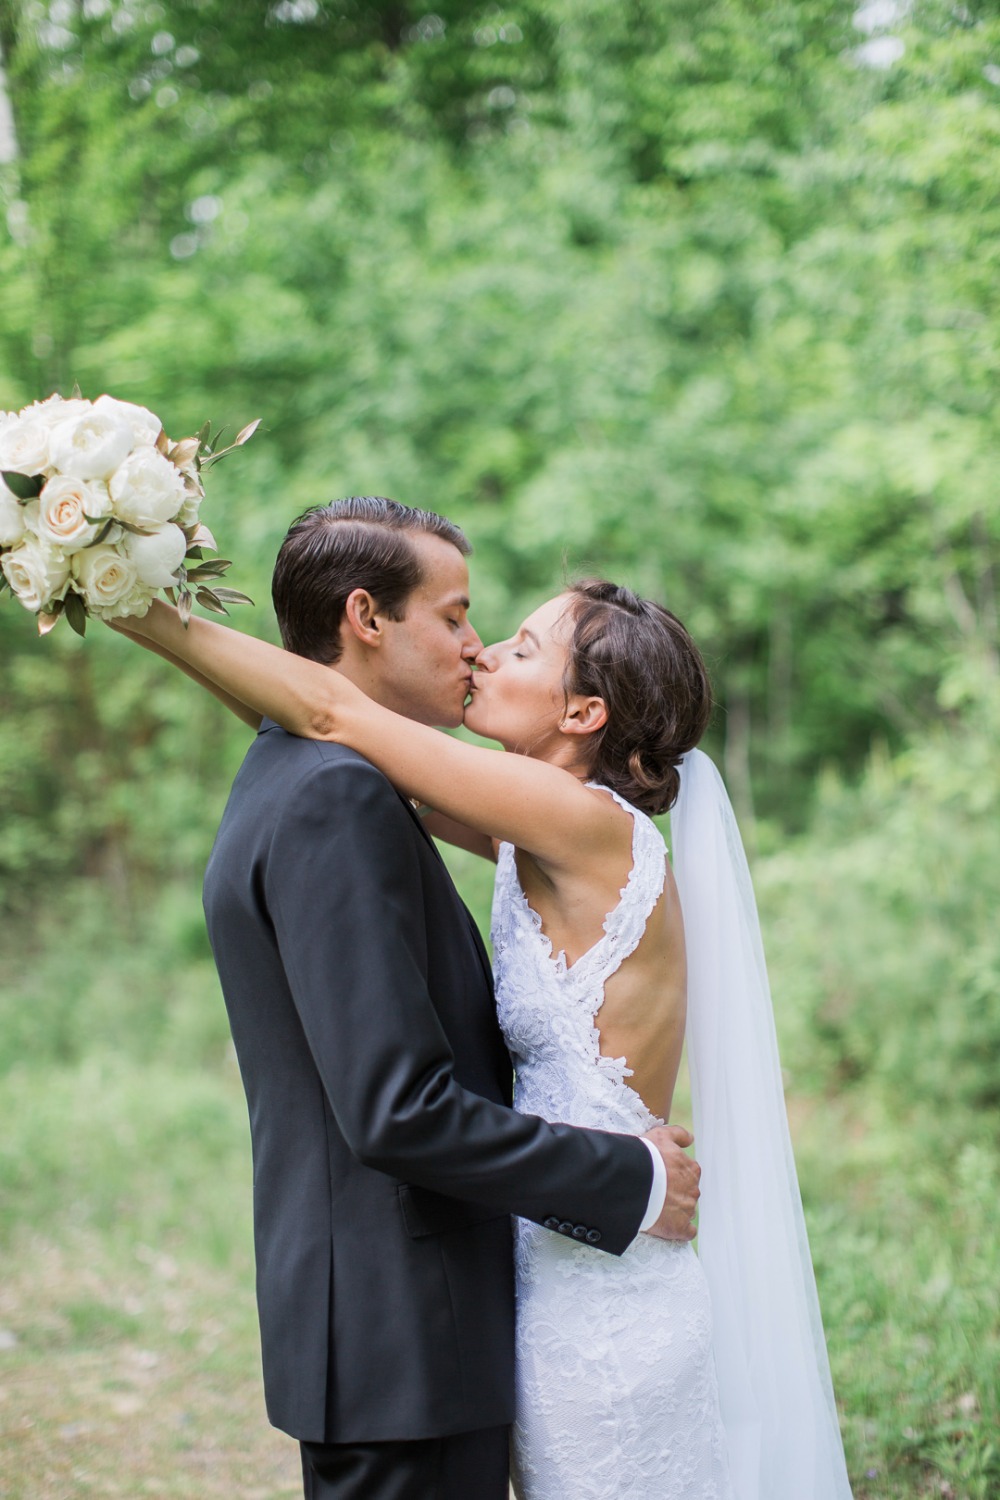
<point>881,926</point>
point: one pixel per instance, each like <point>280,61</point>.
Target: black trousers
<point>468,1466</point>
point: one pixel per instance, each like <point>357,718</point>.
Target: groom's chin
<point>444,718</point>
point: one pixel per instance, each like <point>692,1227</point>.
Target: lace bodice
<point>548,1009</point>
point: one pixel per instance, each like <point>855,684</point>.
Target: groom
<point>387,1159</point>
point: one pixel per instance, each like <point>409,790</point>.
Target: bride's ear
<point>584,715</point>
<point>361,618</point>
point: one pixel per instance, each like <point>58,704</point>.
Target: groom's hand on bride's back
<point>676,1221</point>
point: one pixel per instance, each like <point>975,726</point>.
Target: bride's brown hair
<point>641,660</point>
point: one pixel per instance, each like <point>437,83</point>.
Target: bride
<point>660,1373</point>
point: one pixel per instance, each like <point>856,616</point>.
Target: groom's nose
<point>472,645</point>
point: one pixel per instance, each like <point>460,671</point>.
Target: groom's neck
<point>373,684</point>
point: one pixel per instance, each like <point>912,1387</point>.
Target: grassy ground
<point>132,1375</point>
<point>129,1360</point>
<point>128,1344</point>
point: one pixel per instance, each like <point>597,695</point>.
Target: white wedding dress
<point>617,1396</point>
<point>662,1374</point>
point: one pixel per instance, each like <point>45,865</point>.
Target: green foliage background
<point>697,295</point>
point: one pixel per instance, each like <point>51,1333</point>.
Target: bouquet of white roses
<point>99,510</point>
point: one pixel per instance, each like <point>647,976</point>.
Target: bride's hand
<point>676,1221</point>
<point>144,625</point>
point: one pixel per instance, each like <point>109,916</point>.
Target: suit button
<point>565,1227</point>
<point>580,1232</point>
<point>593,1236</point>
<point>550,1223</point>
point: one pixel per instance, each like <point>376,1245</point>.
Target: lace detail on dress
<point>617,1395</point>
<point>548,1008</point>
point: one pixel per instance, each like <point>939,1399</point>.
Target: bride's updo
<point>639,658</point>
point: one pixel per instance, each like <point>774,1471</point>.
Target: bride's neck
<point>563,754</point>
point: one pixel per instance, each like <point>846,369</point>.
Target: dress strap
<point>625,924</point>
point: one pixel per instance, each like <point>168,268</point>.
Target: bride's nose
<point>487,659</point>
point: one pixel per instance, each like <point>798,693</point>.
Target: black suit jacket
<point>387,1159</point>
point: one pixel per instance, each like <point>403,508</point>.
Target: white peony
<point>24,445</point>
<point>90,445</point>
<point>11,518</point>
<point>54,410</point>
<point>147,489</point>
<point>189,511</point>
<point>109,581</point>
<point>63,508</point>
<point>145,426</point>
<point>157,557</point>
<point>36,575</point>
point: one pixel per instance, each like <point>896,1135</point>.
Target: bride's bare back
<point>643,1015</point>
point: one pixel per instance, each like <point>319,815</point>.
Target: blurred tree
<point>693,295</point>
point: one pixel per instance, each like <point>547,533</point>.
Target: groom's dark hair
<point>362,542</point>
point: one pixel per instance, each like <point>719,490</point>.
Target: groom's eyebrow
<point>457,601</point>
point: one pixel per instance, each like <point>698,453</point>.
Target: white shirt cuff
<point>658,1192</point>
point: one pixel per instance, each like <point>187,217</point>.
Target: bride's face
<point>517,692</point>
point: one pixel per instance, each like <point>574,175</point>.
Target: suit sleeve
<point>343,888</point>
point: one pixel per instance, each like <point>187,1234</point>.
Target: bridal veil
<point>774,1376</point>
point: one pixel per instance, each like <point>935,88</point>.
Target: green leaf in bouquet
<point>171,595</point>
<point>24,486</point>
<point>50,618</point>
<point>243,436</point>
<point>232,596</point>
<point>183,453</point>
<point>135,530</point>
<point>204,434</point>
<point>76,614</point>
<point>184,606</point>
<point>104,523</point>
<point>213,568</point>
<point>3,579</point>
<point>208,599</point>
<point>200,536</point>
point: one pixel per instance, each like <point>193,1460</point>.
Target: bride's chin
<point>476,719</point>
<point>470,716</point>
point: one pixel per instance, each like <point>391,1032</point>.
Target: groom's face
<point>426,658</point>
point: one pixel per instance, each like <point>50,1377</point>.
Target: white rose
<point>63,508</point>
<point>145,426</point>
<point>11,518</point>
<point>36,575</point>
<point>137,603</point>
<point>91,445</point>
<point>24,445</point>
<point>109,582</point>
<point>147,489</point>
<point>157,557</point>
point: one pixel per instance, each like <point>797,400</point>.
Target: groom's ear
<point>361,618</point>
<point>584,715</point>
